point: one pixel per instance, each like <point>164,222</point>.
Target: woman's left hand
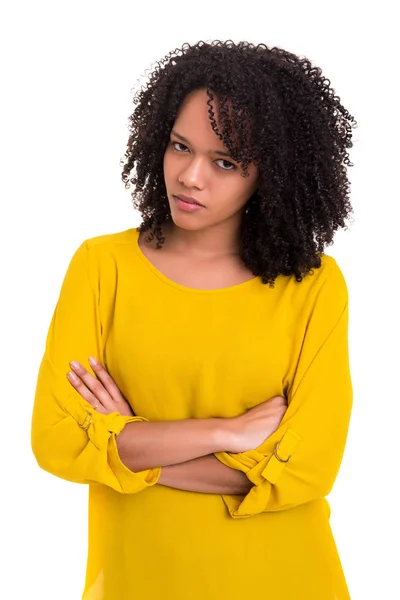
<point>102,393</point>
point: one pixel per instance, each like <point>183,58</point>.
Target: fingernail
<point>75,364</point>
<point>72,376</point>
<point>93,361</point>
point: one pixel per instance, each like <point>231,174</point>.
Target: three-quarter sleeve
<point>300,461</point>
<point>69,438</point>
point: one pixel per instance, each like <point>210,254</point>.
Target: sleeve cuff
<point>131,482</point>
<point>102,431</point>
<point>262,470</point>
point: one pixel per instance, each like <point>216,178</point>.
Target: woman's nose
<point>195,173</point>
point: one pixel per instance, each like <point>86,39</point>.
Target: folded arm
<point>207,475</point>
<point>163,443</point>
<point>300,461</point>
<point>72,440</point>
<point>75,442</point>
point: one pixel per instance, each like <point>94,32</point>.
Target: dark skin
<point>205,473</point>
<point>102,392</point>
<point>201,251</point>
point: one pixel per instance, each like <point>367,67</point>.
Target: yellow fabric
<point>176,353</point>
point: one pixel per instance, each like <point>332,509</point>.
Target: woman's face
<point>197,164</point>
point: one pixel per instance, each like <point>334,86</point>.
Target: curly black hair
<point>287,121</point>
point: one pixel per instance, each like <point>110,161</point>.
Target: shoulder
<point>327,296</point>
<point>101,254</point>
<point>109,240</point>
<point>332,282</point>
<point>109,248</point>
<point>328,278</point>
<point>323,289</point>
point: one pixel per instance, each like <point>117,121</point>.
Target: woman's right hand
<point>250,430</point>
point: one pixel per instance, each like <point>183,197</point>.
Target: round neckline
<point>184,288</point>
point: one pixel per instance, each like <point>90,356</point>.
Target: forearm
<point>144,445</point>
<point>205,474</point>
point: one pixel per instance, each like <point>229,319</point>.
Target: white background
<point>67,74</point>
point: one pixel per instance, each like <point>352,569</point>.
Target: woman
<point>213,423</point>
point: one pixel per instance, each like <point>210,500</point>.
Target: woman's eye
<point>228,166</point>
<point>179,144</point>
<point>231,167</point>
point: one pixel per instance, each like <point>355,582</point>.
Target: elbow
<point>52,450</point>
<point>38,447</point>
<point>44,463</point>
<point>44,454</point>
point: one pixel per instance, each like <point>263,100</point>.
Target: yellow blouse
<point>175,353</point>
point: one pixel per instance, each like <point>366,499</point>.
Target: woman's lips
<point>187,206</point>
<point>189,199</point>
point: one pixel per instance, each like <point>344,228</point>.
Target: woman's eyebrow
<point>181,137</point>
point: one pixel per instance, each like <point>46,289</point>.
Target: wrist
<point>226,434</point>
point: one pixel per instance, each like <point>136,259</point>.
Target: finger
<point>93,384</point>
<point>106,379</point>
<point>84,391</point>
